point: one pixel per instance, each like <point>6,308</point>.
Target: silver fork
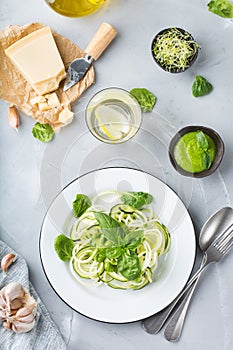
<point>214,253</point>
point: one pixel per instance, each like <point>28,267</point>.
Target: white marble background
<point>32,172</point>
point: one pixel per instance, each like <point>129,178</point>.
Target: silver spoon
<point>174,327</point>
<point>216,226</point>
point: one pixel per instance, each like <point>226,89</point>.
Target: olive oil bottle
<point>75,8</point>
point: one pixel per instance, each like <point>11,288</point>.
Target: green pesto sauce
<point>195,152</point>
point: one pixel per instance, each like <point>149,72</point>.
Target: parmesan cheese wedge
<point>38,59</point>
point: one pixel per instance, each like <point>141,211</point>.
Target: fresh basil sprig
<point>123,245</point>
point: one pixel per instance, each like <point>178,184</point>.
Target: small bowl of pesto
<point>196,151</point>
<point>174,50</point>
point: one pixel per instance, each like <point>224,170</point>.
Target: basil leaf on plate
<point>136,200</point>
<point>80,205</point>
<point>133,239</point>
<point>63,247</point>
<point>113,231</point>
<point>100,255</point>
<point>114,252</point>
<point>129,265</point>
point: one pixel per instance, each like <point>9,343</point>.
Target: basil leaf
<point>133,239</point>
<point>43,132</point>
<point>80,205</point>
<point>202,140</point>
<point>223,8</point>
<point>100,255</point>
<point>114,252</point>
<point>206,160</point>
<point>201,86</point>
<point>113,231</point>
<point>63,247</point>
<point>129,265</point>
<point>145,98</point>
<point>136,199</point>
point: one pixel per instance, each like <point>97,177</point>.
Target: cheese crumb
<point>66,116</point>
<point>38,99</point>
<point>52,99</point>
<point>43,106</point>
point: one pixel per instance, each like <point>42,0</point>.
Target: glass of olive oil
<point>75,8</point>
<point>113,115</point>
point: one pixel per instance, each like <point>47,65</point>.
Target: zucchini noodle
<point>86,232</point>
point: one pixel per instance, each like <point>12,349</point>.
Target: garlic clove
<point>13,117</point>
<point>13,290</point>
<point>26,319</point>
<point>16,304</point>
<point>27,310</point>
<point>6,261</point>
<point>3,315</point>
<point>2,302</point>
<point>7,325</point>
<point>21,327</point>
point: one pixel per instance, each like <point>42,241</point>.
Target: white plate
<point>103,303</point>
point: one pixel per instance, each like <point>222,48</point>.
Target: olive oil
<point>75,8</point>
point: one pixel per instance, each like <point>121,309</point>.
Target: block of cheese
<point>38,59</point>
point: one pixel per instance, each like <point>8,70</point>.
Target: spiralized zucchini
<point>85,261</point>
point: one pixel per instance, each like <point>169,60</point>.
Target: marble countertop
<point>32,173</point>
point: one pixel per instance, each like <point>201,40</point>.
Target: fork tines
<point>225,241</point>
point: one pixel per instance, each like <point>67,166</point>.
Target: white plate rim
<point>166,186</point>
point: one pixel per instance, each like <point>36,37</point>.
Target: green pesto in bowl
<point>195,151</point>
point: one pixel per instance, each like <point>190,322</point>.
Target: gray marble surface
<point>32,173</point>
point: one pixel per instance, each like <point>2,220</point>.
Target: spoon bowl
<point>217,225</point>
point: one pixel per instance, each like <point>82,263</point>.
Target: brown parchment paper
<point>16,90</point>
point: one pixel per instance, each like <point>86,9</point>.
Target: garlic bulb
<point>17,308</point>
